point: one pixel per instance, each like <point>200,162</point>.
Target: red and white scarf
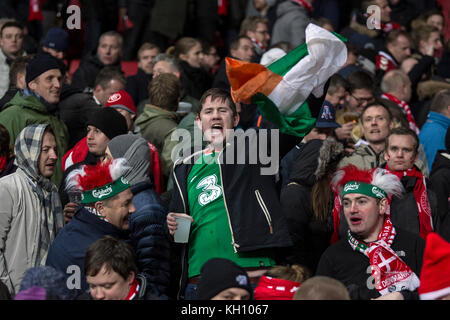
<point>421,197</point>
<point>275,289</point>
<point>133,290</point>
<point>406,109</point>
<point>386,27</point>
<point>304,4</point>
<point>385,62</point>
<point>389,271</point>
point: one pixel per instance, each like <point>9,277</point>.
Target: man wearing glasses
<point>361,93</point>
<point>257,29</point>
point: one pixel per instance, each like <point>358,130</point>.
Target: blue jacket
<point>432,135</point>
<point>72,242</point>
<point>149,238</point>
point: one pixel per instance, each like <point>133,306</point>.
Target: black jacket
<point>7,97</point>
<point>251,199</point>
<point>440,180</point>
<point>137,86</point>
<point>84,76</point>
<point>352,268</point>
<point>310,236</point>
<point>195,81</point>
<point>148,237</point>
<point>70,245</point>
<point>404,212</point>
<point>74,108</point>
<point>9,168</point>
<point>221,79</point>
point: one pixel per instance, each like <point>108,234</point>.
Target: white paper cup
<point>181,235</point>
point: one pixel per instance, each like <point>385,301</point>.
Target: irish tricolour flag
<point>280,90</point>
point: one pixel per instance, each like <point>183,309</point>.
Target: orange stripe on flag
<point>247,79</point>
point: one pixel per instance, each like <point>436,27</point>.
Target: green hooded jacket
<point>23,111</point>
<point>157,126</point>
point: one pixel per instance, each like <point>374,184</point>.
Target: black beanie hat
<point>41,63</point>
<point>219,274</point>
<point>109,121</point>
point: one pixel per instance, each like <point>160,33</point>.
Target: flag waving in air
<point>280,90</point>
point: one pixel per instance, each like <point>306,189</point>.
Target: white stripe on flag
<point>327,54</point>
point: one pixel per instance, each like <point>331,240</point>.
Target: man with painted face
<point>30,211</point>
<point>375,259</point>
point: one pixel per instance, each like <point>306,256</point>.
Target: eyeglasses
<point>362,100</point>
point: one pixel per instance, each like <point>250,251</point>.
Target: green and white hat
<point>100,181</point>
<point>104,192</point>
<point>376,183</point>
<point>364,188</point>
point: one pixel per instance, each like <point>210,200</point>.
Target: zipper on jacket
<point>185,211</point>
<point>233,243</point>
<point>264,209</point>
<point>184,251</point>
<point>179,189</point>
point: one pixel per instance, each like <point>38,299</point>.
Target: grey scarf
<point>27,149</point>
<point>136,151</point>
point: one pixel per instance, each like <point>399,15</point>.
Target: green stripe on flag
<point>299,123</point>
<point>284,64</point>
<point>340,37</point>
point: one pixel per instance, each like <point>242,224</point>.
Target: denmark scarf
<point>421,197</point>
<point>389,271</point>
